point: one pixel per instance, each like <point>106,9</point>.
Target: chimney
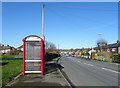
<point>117,41</point>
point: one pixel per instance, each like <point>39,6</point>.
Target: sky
<point>67,24</point>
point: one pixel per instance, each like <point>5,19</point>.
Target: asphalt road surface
<point>83,72</point>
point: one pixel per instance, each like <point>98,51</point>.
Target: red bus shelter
<point>33,55</point>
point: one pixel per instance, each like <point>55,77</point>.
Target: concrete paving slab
<point>51,78</point>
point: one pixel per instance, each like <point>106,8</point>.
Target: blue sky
<point>71,25</point>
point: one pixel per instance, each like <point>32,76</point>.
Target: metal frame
<point>42,57</point>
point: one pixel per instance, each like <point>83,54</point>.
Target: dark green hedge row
<point>50,56</point>
<point>116,58</point>
<point>85,54</point>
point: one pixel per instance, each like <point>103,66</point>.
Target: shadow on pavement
<point>51,67</point>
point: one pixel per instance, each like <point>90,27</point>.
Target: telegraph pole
<point>42,44</point>
<point>43,21</point>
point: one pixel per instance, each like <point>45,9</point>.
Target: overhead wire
<point>62,15</point>
<point>56,13</point>
<point>82,8</point>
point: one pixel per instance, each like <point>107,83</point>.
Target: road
<point>83,72</point>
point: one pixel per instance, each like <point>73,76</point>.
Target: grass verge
<point>10,70</point>
<point>10,56</point>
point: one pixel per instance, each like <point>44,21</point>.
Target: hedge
<point>116,58</point>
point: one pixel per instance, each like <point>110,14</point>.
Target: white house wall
<point>4,51</point>
<point>119,50</point>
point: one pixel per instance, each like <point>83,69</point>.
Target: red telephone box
<point>33,55</point>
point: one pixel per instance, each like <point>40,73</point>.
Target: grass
<point>10,70</point>
<point>106,60</point>
<point>10,56</point>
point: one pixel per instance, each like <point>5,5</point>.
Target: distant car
<point>67,55</point>
<point>72,55</point>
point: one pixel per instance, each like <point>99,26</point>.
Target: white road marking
<point>115,63</point>
<point>79,61</point>
<point>90,64</point>
<point>101,68</point>
<point>110,70</point>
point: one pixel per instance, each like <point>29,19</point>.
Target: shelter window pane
<point>32,50</point>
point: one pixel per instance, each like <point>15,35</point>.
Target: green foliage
<point>10,70</point>
<point>82,53</point>
<point>50,56</point>
<point>106,60</point>
<point>93,53</point>
<point>85,54</point>
<point>10,56</point>
<point>115,58</point>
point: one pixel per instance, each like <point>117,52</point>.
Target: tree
<point>50,47</point>
<point>51,51</point>
<point>100,44</point>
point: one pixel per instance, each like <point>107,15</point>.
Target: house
<point>86,50</point>
<point>113,48</point>
<point>4,49</point>
<point>20,48</point>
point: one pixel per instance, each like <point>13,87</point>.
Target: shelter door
<point>32,61</point>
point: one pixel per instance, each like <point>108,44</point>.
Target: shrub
<point>86,54</point>
<point>95,55</point>
<point>116,58</point>
<point>82,53</point>
<point>50,56</point>
<point>106,60</point>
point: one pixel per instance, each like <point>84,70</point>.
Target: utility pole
<point>43,21</point>
<point>42,44</point>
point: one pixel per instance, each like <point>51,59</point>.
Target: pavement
<point>91,73</point>
<point>52,78</point>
